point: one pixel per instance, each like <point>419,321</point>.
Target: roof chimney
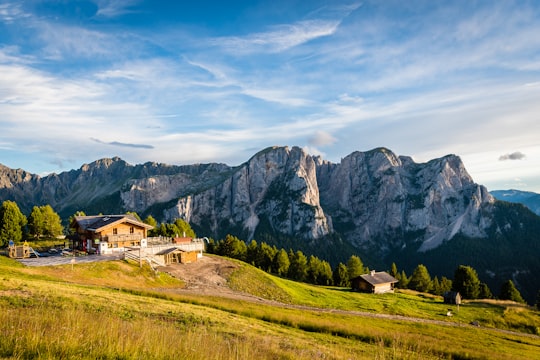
<point>372,272</point>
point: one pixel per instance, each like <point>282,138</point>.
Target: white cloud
<point>321,138</point>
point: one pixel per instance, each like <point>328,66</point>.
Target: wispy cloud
<point>278,38</point>
<point>512,156</point>
<point>114,8</point>
<point>121,144</point>
<point>10,12</point>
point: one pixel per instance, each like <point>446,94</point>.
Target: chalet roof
<point>169,251</point>
<point>97,223</point>
<point>377,278</point>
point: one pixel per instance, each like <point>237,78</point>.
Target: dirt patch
<point>207,272</point>
<point>208,276</point>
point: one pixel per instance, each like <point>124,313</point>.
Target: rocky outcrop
<point>376,198</point>
<point>277,185</point>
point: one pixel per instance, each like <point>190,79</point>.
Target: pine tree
<point>420,279</point>
<point>485,292</point>
<point>445,285</point>
<point>436,286</point>
<point>341,276</point>
<point>150,221</point>
<point>466,282</point>
<point>403,280</point>
<point>281,263</point>
<point>394,270</point>
<point>509,292</point>
<point>355,267</point>
<point>298,267</point>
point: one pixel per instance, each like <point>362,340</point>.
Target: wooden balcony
<point>122,238</point>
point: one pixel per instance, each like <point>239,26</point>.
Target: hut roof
<point>377,278</point>
<point>99,222</point>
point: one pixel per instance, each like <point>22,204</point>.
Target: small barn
<point>175,255</point>
<point>374,282</point>
<point>452,297</point>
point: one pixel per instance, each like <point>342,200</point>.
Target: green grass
<point>408,303</point>
<point>57,312</point>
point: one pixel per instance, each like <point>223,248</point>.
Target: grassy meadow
<point>116,310</point>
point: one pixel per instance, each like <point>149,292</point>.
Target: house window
<point>131,230</point>
<point>115,231</point>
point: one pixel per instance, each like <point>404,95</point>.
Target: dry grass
<point>62,314</point>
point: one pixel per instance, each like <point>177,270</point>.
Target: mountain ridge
<point>528,198</point>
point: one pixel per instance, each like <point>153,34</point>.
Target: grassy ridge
<point>135,314</point>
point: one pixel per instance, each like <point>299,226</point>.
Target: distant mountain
<point>527,198</point>
<point>383,207</point>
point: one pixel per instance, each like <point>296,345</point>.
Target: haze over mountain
<point>384,207</point>
<point>527,198</point>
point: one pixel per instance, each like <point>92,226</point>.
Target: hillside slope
<point>158,319</point>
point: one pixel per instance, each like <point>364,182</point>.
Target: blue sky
<point>183,82</point>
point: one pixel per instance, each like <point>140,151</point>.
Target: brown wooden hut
<point>374,282</point>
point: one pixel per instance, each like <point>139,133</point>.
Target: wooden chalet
<point>105,233</point>
<point>374,282</point>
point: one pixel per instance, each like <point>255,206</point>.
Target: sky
<point>185,82</point>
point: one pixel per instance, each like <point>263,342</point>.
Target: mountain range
<point>527,198</point>
<point>384,207</point>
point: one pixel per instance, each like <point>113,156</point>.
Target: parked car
<point>34,254</point>
<point>67,252</point>
<point>53,251</point>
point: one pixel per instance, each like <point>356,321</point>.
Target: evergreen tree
<point>12,222</point>
<point>466,282</point>
<point>281,262</point>
<point>251,253</point>
<point>445,285</point>
<point>44,221</point>
<point>265,256</point>
<point>314,268</point>
<point>232,247</point>
<point>436,286</point>
<point>298,266</point>
<point>485,292</point>
<point>184,229</point>
<point>420,279</point>
<point>355,267</point>
<point>394,270</point>
<point>341,276</point>
<point>403,280</point>
<point>326,276</point>
<point>150,221</point>
<point>509,292</point>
